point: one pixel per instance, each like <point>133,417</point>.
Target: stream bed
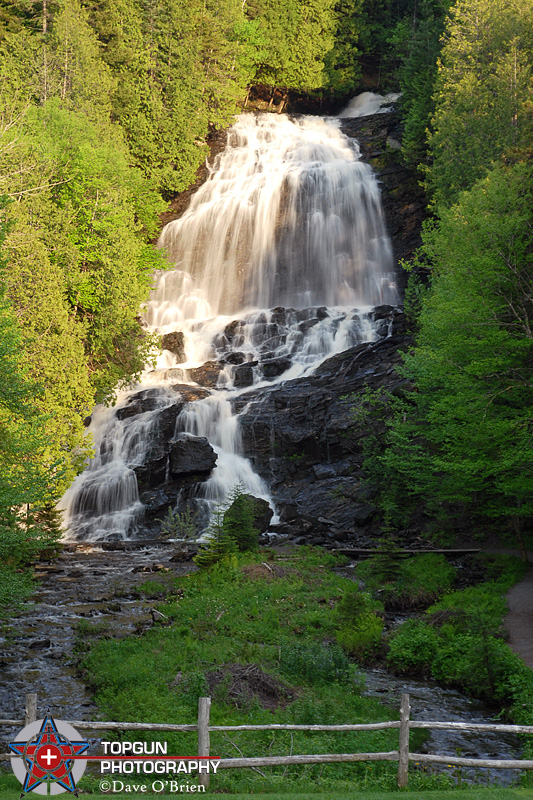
<point>430,702</point>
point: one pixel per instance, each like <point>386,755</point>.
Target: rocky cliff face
<point>403,199</point>
<point>303,439</point>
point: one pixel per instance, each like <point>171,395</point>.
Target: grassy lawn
<point>496,793</point>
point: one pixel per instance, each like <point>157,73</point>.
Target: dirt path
<point>519,620</point>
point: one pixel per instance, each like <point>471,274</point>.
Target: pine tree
<point>483,92</point>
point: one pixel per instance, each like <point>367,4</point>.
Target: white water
<point>279,259</point>
<point>368,103</point>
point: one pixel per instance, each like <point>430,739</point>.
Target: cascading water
<point>279,259</point>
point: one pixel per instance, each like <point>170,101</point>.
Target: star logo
<point>49,751</point>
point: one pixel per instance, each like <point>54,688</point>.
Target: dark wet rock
<point>402,197</point>
<point>207,374</point>
<point>40,644</point>
<point>152,472</point>
<point>233,332</point>
<point>158,501</point>
<point>244,375</point>
<point>191,455</point>
<point>234,358</point>
<point>308,323</point>
<point>175,343</point>
<point>304,441</point>
<point>140,403</point>
<point>189,394</point>
<point>273,367</point>
<point>87,421</point>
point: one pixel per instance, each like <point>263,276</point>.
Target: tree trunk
<point>516,523</point>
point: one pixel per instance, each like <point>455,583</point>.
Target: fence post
<point>204,705</point>
<point>30,713</point>
<point>403,760</point>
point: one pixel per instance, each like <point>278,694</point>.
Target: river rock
<point>273,367</point>
<point>244,375</point>
<point>140,403</point>
<point>175,343</point>
<point>191,455</point>
<point>207,374</point>
<point>190,393</point>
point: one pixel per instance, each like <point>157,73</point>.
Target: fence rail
<point>403,755</point>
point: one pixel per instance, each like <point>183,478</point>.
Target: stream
<point>430,702</point>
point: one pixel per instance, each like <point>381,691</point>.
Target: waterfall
<point>278,261</point>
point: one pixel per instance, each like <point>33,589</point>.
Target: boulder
<point>191,455</point>
<point>244,375</point>
<point>189,394</point>
<point>140,403</point>
<point>262,512</point>
<point>207,374</point>
<point>273,367</point>
<point>175,343</point>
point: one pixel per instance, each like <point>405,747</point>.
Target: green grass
<point>285,619</point>
<point>283,615</point>
<point>12,791</point>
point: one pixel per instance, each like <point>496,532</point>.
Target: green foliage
<point>316,664</point>
<point>422,33</point>
<point>360,627</point>
<point>483,93</point>
<point>342,63</point>
<point>182,525</point>
<point>297,34</point>
<point>414,297</point>
<point>462,440</point>
<point>88,202</point>
<point>460,644</point>
<point>15,586</point>
<point>363,637</point>
<point>231,530</point>
<point>220,544</point>
<point>413,648</point>
<point>30,475</point>
<point>407,582</point>
<point>239,520</point>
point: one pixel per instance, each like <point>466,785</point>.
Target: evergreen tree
<point>463,440</point>
<point>298,34</point>
<point>483,92</point>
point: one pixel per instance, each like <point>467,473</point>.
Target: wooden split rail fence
<point>402,755</point>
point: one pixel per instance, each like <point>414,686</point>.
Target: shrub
<point>316,663</point>
<point>362,639</point>
<point>416,581</point>
<point>413,648</point>
<point>231,530</point>
<point>182,525</point>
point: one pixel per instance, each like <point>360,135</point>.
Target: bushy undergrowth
<point>459,642</point>
<point>15,586</point>
<point>406,582</point>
